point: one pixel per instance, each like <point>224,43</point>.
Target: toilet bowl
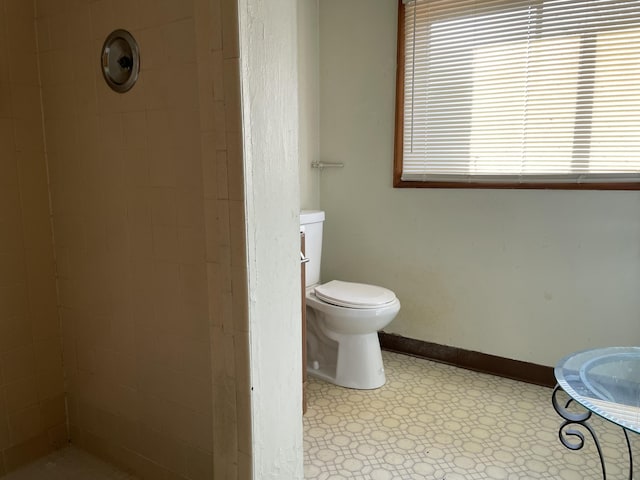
<point>343,320</point>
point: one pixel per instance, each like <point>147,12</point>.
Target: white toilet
<point>343,320</point>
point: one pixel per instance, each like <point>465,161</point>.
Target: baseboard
<point>480,362</point>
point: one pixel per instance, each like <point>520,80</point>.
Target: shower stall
<point>123,319</point>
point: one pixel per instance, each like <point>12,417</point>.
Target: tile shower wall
<point>32,414</point>
<point>148,222</point>
<point>221,139</point>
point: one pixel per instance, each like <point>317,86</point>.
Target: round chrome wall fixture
<point>120,60</point>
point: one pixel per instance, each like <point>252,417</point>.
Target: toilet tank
<point>312,221</point>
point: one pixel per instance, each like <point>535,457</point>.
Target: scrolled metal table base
<point>573,439</point>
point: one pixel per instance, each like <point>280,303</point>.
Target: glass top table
<point>605,381</point>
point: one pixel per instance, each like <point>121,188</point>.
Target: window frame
<point>399,137</point>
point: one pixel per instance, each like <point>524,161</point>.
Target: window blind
<point>521,91</point>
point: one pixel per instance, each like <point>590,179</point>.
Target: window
<point>518,94</point>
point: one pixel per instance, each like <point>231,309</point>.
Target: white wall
<point>268,56</point>
<point>309,112</point>
<point>529,275</point>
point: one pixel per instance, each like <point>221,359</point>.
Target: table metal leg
<point>573,439</point>
<point>626,437</point>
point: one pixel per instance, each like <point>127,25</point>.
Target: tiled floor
<point>434,421</point>
<point>430,421</point>
<point>69,464</point>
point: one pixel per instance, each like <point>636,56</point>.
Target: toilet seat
<point>354,295</point>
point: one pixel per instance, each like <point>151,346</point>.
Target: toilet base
<point>358,364</point>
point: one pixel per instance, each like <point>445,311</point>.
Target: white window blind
<point>521,91</point>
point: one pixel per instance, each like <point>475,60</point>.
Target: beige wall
<point>269,76</point>
<point>32,416</point>
<point>530,275</point>
<point>152,296</point>
<point>309,107</point>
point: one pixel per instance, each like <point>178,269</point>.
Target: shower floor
<point>68,463</point>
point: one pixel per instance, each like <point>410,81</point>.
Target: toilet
<point>343,319</point>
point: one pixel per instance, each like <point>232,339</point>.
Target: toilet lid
<point>354,295</point>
